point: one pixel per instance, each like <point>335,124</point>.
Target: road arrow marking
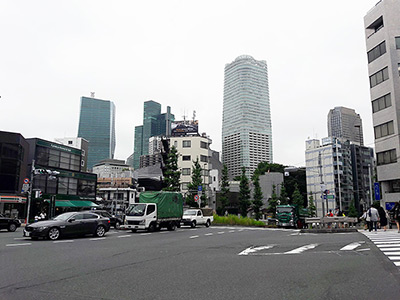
<point>301,249</point>
<point>255,249</point>
<point>352,246</point>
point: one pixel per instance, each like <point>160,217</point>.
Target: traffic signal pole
<point>30,192</point>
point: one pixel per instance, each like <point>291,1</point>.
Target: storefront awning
<point>12,199</point>
<point>75,203</point>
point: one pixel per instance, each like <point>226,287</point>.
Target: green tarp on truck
<point>169,204</point>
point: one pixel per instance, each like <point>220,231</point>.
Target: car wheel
<point>117,225</point>
<point>171,226</point>
<point>208,223</point>
<point>54,233</point>
<point>152,227</point>
<point>12,227</point>
<point>100,231</point>
<point>193,225</point>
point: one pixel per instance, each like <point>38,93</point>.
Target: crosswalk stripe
<point>394,257</point>
<point>397,264</point>
<point>391,253</point>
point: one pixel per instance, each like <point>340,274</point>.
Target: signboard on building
<point>377,191</point>
<point>182,128</point>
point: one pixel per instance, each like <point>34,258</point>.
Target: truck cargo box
<point>169,204</point>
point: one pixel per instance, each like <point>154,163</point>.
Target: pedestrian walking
<point>383,219</point>
<point>372,218</point>
<point>396,215</point>
<point>364,218</point>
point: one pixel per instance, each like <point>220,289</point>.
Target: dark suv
<point>9,223</point>
<point>114,221</point>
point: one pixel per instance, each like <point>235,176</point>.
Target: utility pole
<point>30,191</point>
<point>321,182</point>
<point>370,184</point>
<point>338,170</point>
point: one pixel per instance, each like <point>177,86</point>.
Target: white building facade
<point>382,34</point>
<point>246,121</point>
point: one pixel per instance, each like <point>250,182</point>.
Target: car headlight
<point>42,228</point>
<point>142,222</point>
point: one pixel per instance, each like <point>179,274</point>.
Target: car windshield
<point>189,213</point>
<point>284,209</point>
<point>64,216</point>
<point>136,210</point>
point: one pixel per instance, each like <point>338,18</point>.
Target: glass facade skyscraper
<point>97,125</point>
<point>154,124</point>
<point>246,123</point>
<point>346,124</point>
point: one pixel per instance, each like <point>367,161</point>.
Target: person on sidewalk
<point>396,215</point>
<point>372,218</point>
<point>383,220</point>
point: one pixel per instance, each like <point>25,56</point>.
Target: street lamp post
<point>30,192</point>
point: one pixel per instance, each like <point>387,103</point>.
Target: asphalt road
<point>201,263</point>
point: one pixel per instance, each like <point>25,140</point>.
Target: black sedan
<point>9,223</point>
<point>69,224</point>
<point>114,221</point>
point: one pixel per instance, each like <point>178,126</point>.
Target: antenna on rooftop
<point>92,94</point>
<point>194,115</point>
<point>184,116</point>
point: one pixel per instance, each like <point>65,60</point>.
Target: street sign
<point>377,191</point>
<point>196,198</point>
<point>330,196</point>
<point>26,180</point>
<point>199,188</point>
<point>25,187</point>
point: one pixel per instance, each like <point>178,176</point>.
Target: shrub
<point>235,220</point>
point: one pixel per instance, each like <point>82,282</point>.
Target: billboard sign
<point>179,128</point>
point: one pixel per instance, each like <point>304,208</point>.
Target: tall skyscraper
<point>345,123</point>
<point>154,124</point>
<point>382,34</point>
<point>97,126</point>
<point>246,121</point>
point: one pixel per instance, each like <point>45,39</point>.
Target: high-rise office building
<point>97,126</point>
<point>346,124</point>
<point>154,123</point>
<point>246,124</point>
<point>382,33</point>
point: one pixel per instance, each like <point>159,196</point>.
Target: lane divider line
<point>15,245</point>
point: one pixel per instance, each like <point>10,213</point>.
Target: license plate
<point>26,233</point>
<point>136,226</point>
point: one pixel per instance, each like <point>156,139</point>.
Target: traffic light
<point>38,194</point>
<point>42,171</point>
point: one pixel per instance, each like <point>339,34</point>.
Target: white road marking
<point>66,241</point>
<point>148,233</point>
<point>255,249</point>
<point>161,232</point>
<point>231,230</point>
<point>15,245</point>
<point>208,234</point>
<point>194,236</point>
<point>391,253</point>
<point>351,246</point>
<point>390,249</point>
<point>98,239</point>
<point>366,249</point>
<point>124,236</point>
<point>23,238</point>
<point>388,245</point>
<point>389,242</point>
<point>394,257</point>
<point>221,232</point>
<point>301,249</point>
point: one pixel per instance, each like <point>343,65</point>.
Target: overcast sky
<point>174,52</point>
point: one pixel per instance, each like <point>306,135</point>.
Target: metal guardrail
<point>332,221</point>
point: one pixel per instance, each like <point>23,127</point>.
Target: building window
<point>186,157</point>
<point>397,38</point>
<point>378,77</point>
<point>384,130</point>
<point>176,144</point>
<point>186,171</point>
<point>186,144</point>
<point>386,157</point>
<point>70,142</point>
<point>203,145</point>
<point>381,103</point>
<point>376,52</point>
<point>203,158</point>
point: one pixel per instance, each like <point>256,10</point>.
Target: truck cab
<point>194,217</point>
<point>291,216</point>
<point>140,216</point>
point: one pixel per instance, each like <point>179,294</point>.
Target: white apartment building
<point>78,143</point>
<point>189,149</point>
<point>382,35</point>
<point>113,168</point>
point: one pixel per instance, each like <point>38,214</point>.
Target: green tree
<point>265,167</point>
<point>352,210</point>
<point>171,174</point>
<point>257,197</point>
<point>224,194</point>
<point>311,206</point>
<point>283,198</point>
<point>273,201</point>
<point>194,184</point>
<point>297,198</point>
<point>244,194</point>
